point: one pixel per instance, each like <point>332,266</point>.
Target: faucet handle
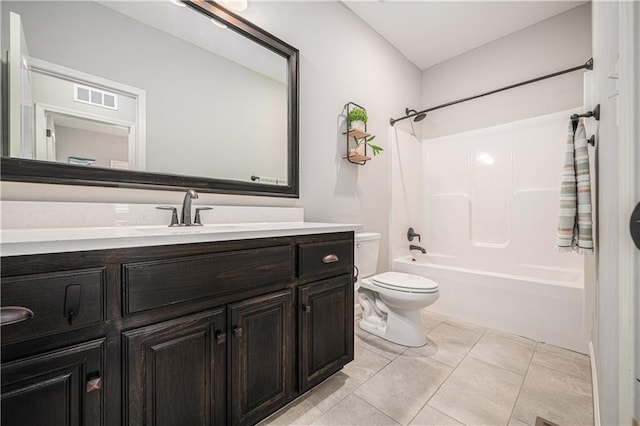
<point>174,214</point>
<point>411,233</point>
<point>196,220</point>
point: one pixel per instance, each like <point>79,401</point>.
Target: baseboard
<point>594,385</point>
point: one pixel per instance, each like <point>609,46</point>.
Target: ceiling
<point>430,32</point>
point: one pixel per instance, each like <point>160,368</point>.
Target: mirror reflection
<point>143,86</point>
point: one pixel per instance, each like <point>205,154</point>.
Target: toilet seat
<point>408,283</point>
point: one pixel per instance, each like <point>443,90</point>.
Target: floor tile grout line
<point>504,368</point>
<point>573,376</point>
<point>438,388</point>
<point>375,408</point>
<point>524,378</point>
<point>565,372</point>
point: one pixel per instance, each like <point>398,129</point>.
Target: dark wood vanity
<point>192,334</point>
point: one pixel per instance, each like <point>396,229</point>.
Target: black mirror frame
<point>37,171</point>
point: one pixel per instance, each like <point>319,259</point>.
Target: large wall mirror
<point>149,94</point>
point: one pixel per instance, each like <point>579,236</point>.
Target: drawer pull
<point>72,302</point>
<point>94,384</point>
<point>306,308</point>
<point>330,258</point>
<point>237,331</point>
<point>14,314</point>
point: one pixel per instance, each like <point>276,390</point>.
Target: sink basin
<point>173,230</point>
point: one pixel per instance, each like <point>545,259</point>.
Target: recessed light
<point>218,23</point>
<point>178,3</point>
<point>237,5</point>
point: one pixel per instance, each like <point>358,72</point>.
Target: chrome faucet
<point>185,219</point>
<point>414,247</point>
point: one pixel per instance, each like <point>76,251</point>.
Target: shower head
<point>418,117</point>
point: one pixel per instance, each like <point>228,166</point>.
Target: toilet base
<point>398,330</point>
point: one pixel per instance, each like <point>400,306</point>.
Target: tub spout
<point>414,247</point>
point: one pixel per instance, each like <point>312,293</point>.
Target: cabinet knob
<point>237,331</point>
<point>220,337</point>
<point>330,258</point>
<point>306,308</point>
<point>14,314</point>
<point>94,384</point>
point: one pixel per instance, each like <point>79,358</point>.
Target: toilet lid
<point>405,282</point>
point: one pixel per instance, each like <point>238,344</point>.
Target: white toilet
<point>391,301</point>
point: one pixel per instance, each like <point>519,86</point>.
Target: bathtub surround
<point>490,197</point>
<point>486,203</point>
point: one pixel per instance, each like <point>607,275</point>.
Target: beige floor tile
<point>378,345</point>
<point>447,343</point>
<point>308,418</point>
<point>478,393</point>
<point>353,411</point>
<point>429,416</point>
<point>467,325</point>
<point>510,336</point>
<point>558,397</point>
<point>431,320</point>
<point>515,422</point>
<point>333,390</point>
<point>300,412</point>
<point>402,388</point>
<point>365,363</point>
<point>505,352</point>
<point>562,360</point>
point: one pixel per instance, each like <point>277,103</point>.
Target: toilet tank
<point>366,253</point>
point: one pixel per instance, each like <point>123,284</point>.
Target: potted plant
<point>361,142</point>
<point>357,119</point>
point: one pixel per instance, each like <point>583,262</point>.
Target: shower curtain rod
<point>587,65</point>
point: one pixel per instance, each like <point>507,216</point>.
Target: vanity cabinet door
<point>60,388</point>
<point>262,353</point>
<point>174,372</point>
<point>325,321</point>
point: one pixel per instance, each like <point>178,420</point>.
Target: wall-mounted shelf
<point>356,133</point>
<point>356,158</point>
<point>352,156</point>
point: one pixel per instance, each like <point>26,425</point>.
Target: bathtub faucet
<point>414,247</point>
<point>411,234</point>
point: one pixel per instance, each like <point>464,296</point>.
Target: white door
<point>21,140</point>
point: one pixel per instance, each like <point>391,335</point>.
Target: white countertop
<point>18,242</point>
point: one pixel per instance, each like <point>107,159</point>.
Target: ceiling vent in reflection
<point>95,97</point>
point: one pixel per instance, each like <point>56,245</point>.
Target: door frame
<point>137,134</point>
<point>628,255</point>
<point>45,150</point>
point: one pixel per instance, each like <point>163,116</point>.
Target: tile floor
<point>465,375</point>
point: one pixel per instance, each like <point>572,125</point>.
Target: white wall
<point>341,59</point>
<point>560,42</point>
<point>102,147</point>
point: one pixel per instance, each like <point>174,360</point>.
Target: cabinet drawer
<point>157,283</point>
<point>327,257</point>
<point>51,297</point>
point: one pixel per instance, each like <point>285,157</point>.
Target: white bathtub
<point>543,304</point>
